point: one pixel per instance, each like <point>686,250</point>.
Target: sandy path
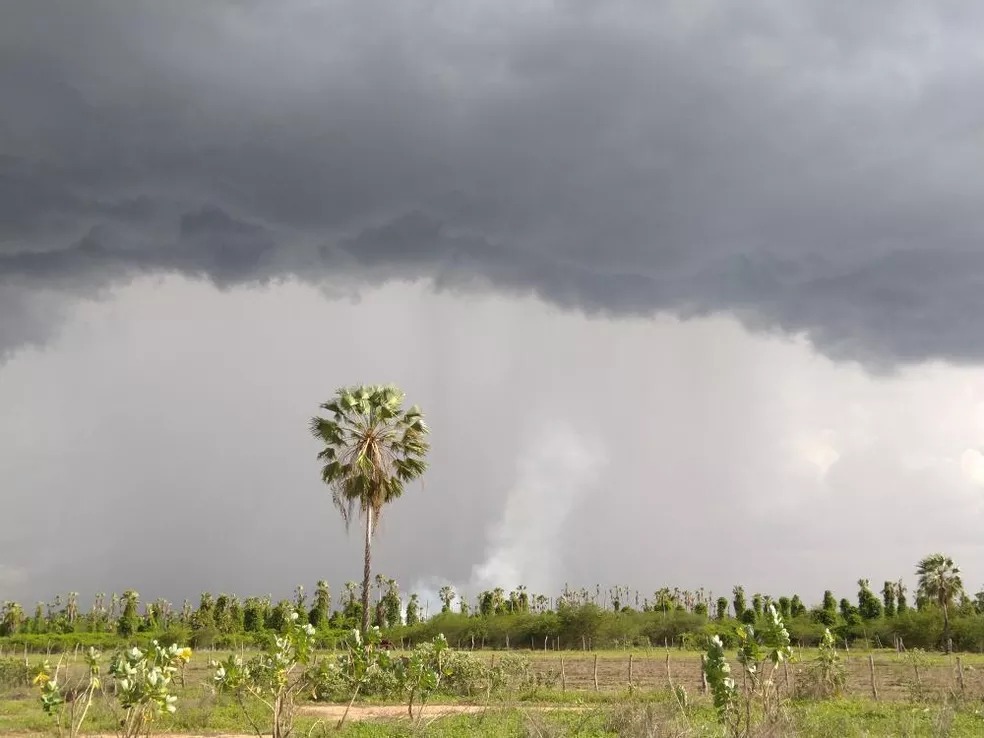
<point>376,712</point>
<point>334,713</point>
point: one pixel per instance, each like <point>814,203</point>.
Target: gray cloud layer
<point>161,443</point>
<point>807,166</point>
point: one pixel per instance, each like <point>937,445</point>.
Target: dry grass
<point>895,676</point>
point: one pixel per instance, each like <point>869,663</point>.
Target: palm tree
<point>372,449</point>
<point>939,580</point>
<point>901,605</point>
<point>447,595</point>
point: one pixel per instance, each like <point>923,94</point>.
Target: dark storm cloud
<point>808,166</point>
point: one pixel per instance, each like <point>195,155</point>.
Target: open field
<point>566,701</point>
<point>651,716</point>
<point>896,677</point>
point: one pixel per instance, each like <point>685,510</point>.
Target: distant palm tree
<point>901,604</point>
<point>372,449</point>
<point>447,595</point>
<point>939,580</point>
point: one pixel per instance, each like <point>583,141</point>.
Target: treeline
<point>589,626</point>
<point>221,621</point>
<point>577,619</point>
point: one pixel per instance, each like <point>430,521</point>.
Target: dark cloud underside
<point>808,166</point>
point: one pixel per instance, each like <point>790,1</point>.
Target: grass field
<point>896,676</point>
<point>917,695</point>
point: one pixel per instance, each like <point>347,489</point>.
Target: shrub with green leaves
<point>723,689</point>
<point>825,676</point>
<point>143,680</point>
<point>14,673</point>
<point>363,669</point>
<point>421,673</point>
<point>760,655</point>
<point>465,675</point>
<point>273,678</point>
<point>69,705</point>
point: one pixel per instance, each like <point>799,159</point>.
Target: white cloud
<point>972,466</point>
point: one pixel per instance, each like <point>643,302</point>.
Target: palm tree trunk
<point>366,572</point>
<point>946,629</point>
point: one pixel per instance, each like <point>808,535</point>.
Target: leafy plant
<point>826,676</point>
<point>142,684</point>
<point>724,691</point>
<point>869,605</point>
<point>363,662</point>
<point>14,673</point>
<point>760,657</point>
<point>273,678</point>
<point>422,672</point>
<point>916,689</point>
<point>70,705</point>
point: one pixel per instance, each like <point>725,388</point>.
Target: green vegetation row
<point>516,620</point>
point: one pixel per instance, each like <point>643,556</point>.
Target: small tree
<point>869,606</point>
<point>392,602</point>
<point>129,620</point>
<point>362,661</point>
<point>739,601</point>
<point>413,610</point>
<point>939,581</point>
<point>142,685</point>
<point>785,607</point>
<point>757,605</point>
<point>273,678</point>
<point>796,606</point>
<point>888,599</point>
<point>321,609</point>
<point>901,604</point>
<point>722,608</point>
<point>69,706</point>
<point>825,677</point>
<point>737,711</point>
<point>204,616</point>
<point>421,673</point>
<point>849,612</point>
<point>12,618</point>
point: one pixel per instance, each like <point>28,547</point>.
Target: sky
<point>689,291</point>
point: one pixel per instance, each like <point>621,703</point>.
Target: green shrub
<point>14,673</point>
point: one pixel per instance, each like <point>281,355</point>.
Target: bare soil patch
<point>383,712</point>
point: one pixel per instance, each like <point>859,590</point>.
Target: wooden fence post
<point>630,669</point>
<point>596,672</point>
<point>563,676</point>
<point>703,673</point>
<point>871,671</point>
<point>960,676</point>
